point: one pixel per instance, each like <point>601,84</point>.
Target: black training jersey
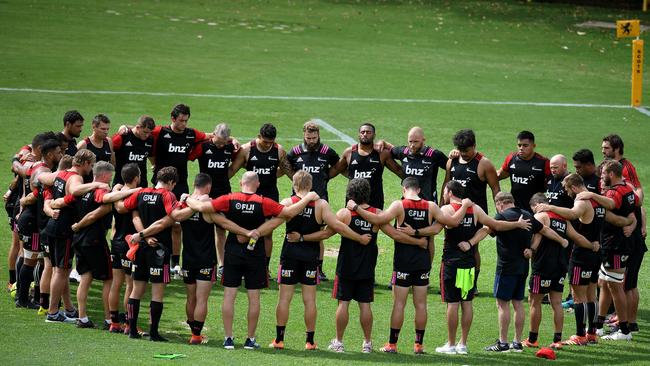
<point>248,211</point>
<point>265,164</point>
<point>422,165</point>
<point>72,147</point>
<point>215,161</point>
<point>95,233</point>
<point>550,259</point>
<point>303,223</point>
<point>123,225</point>
<point>173,149</point>
<point>556,194</point>
<point>102,153</point>
<point>407,257</point>
<point>527,177</point>
<point>153,204</point>
<point>129,148</point>
<point>613,237</point>
<point>317,163</point>
<point>592,232</point>
<point>356,261</point>
<point>370,168</point>
<point>511,244</point>
<point>60,227</point>
<point>451,253</point>
<point>467,175</point>
<point>199,250</point>
<point>592,183</point>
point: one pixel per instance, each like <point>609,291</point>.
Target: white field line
<point>643,110</point>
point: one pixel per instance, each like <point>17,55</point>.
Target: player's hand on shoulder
<point>584,195</point>
<point>524,223</point>
<point>466,202</point>
<point>313,196</point>
<point>542,207</point>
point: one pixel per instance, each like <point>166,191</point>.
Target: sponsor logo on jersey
<point>585,274</point>
<point>354,162</point>
<point>520,180</point>
<point>150,198</point>
<point>216,164</point>
<point>128,143</point>
<point>136,157</point>
<point>167,136</point>
<point>512,166</point>
<point>262,171</point>
<point>470,171</point>
<point>362,224</point>
<point>190,137</point>
<point>322,160</point>
<point>147,145</point>
<point>413,171</point>
<point>208,151</point>
<point>272,158</point>
<point>311,169</point>
<point>373,161</point>
<point>245,207</point>
<point>205,271</point>
<point>416,214</point>
<point>536,169</point>
<point>424,276</point>
<point>254,158</point>
<point>177,149</point>
<point>463,182</point>
<point>299,160</point>
<point>545,283</point>
<point>366,175</point>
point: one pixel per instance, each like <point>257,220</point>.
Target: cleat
<point>529,344</point>
<point>498,347</point>
<point>516,346</point>
<point>418,349</point>
<point>576,340</point>
<point>228,343</point>
<point>115,328</point>
<point>135,336</point>
<point>157,338</point>
<point>555,345</point>
<point>198,339</point>
<point>72,314</point>
<point>251,344</point>
<point>106,325</point>
<point>600,332</point>
<point>611,319</point>
<point>74,276</point>
<point>27,305</point>
<point>42,311</point>
<point>389,348</point>
<point>322,277</point>
<point>219,272</point>
<point>634,328</point>
<point>176,272</point>
<point>310,346</point>
<point>277,345</point>
<point>336,346</point>
<point>366,347</point>
<point>461,349</point>
<point>88,324</point>
<point>618,336</point>
<point>59,317</point>
<point>592,338</point>
<point>447,349</point>
<point>566,305</point>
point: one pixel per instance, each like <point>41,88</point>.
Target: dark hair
<point>49,145</point>
<point>100,118</point>
<point>129,172</point>
<point>612,166</point>
<point>526,135</point>
<point>464,139</point>
<point>411,183</point>
<point>615,141</point>
<point>358,190</point>
<point>456,188</point>
<point>63,138</point>
<point>268,131</point>
<point>201,180</point>
<point>369,125</point>
<point>537,198</point>
<point>72,117</point>
<point>146,122</point>
<point>180,109</point>
<point>585,156</point>
<point>167,175</point>
<point>39,139</point>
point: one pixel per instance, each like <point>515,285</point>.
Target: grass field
<point>205,54</point>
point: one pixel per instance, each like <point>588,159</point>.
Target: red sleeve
<point>117,142</point>
<point>547,167</point>
<point>131,202</point>
<point>506,163</point>
<point>169,201</point>
<point>629,173</point>
<point>270,207</point>
<point>68,199</point>
<point>155,133</point>
<point>47,194</point>
<point>196,152</point>
<point>613,194</point>
<point>199,135</point>
<point>221,204</point>
<point>99,195</point>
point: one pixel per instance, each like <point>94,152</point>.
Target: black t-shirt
<point>451,253</point>
<point>467,175</point>
<point>511,244</point>
<point>131,149</point>
<point>556,194</point>
<point>153,204</point>
<point>370,168</point>
<point>422,165</point>
<point>550,259</point>
<point>592,183</point>
<point>407,257</point>
<point>199,249</point>
<point>72,147</point>
<point>303,223</point>
<point>356,261</point>
<point>265,164</point>
<point>215,161</point>
<point>95,233</point>
<point>317,163</point>
<point>527,177</point>
<point>173,149</point>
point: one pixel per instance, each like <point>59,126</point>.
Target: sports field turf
<point>440,55</point>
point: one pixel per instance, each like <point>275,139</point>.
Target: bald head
<point>558,166</point>
<point>249,182</point>
<point>416,139</point>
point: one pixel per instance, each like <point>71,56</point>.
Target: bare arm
<point>551,234</point>
<point>401,237</point>
<point>606,202</point>
<point>28,200</point>
<point>391,164</point>
<point>378,218</point>
<point>620,221</point>
<point>291,211</point>
<point>491,176</point>
<point>442,201</point>
<point>500,225</point>
<point>332,222</point>
<point>578,239</point>
<point>200,206</point>
<point>285,165</point>
<point>228,225</point>
<point>341,166</point>
<point>269,225</point>
<point>119,195</point>
<point>240,160</point>
<point>572,213</point>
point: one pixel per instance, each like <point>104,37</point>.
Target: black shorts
<point>412,278</point>
<point>151,264</point>
<point>31,242</point>
<point>293,271</point>
<point>632,270</point>
<point>582,275</point>
<point>191,275</point>
<point>252,269</point>
<point>61,253</point>
<point>94,259</point>
<point>118,256</point>
<point>448,290</point>
<point>180,188</point>
<point>358,290</point>
<point>614,260</point>
<point>541,284</point>
<point>45,245</point>
<point>509,287</point>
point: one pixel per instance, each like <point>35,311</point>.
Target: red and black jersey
<point>407,257</point>
<point>153,204</point>
<point>215,161</point>
<point>625,202</point>
<point>370,168</point>
<point>28,219</point>
<point>356,261</point>
<point>629,173</point>
<point>199,250</point>
<point>592,231</point>
<point>303,223</point>
<point>423,165</point>
<point>265,164</point>
<point>317,163</point>
<point>467,175</point>
<point>550,259</point>
<point>42,194</point>
<point>451,253</point>
<point>173,149</point>
<point>102,153</point>
<point>123,225</point>
<point>60,227</point>
<point>527,177</point>
<point>249,211</point>
<point>95,233</point>
<point>129,148</point>
<point>556,194</point>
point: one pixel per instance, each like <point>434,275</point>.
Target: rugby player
<point>134,146</point>
<point>73,123</point>
<point>98,142</point>
<point>555,192</point>
<point>585,166</point>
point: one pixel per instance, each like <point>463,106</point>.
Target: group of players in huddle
<point>586,227</point>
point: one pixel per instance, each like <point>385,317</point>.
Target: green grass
<point>456,50</point>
